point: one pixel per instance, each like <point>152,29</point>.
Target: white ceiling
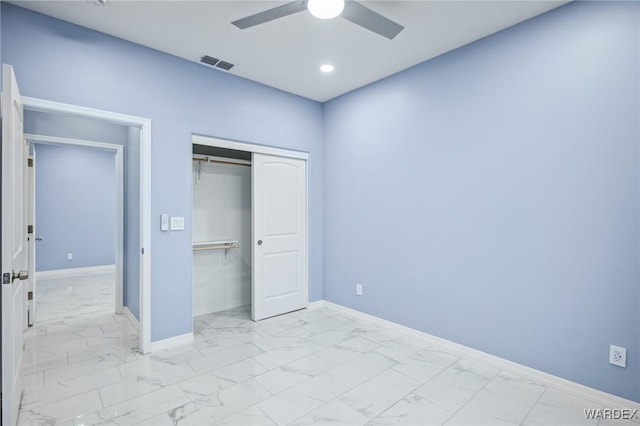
<point>287,53</point>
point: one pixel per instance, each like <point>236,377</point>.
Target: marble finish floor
<point>315,366</point>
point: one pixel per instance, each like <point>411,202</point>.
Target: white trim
<point>145,237</point>
<point>119,178</point>
<point>132,318</point>
<point>248,147</point>
<point>57,141</point>
<point>606,399</point>
<point>119,183</point>
<point>172,342</point>
<point>319,304</point>
<point>75,272</point>
<point>43,105</point>
<point>34,104</point>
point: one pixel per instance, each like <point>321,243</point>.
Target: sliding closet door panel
<point>279,235</point>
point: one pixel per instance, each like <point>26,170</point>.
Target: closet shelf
<point>215,245</point>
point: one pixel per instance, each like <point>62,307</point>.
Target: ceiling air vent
<point>224,65</point>
<point>215,62</point>
<point>206,59</point>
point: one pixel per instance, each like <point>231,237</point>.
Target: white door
<point>14,245</point>
<point>279,192</point>
<point>30,284</point>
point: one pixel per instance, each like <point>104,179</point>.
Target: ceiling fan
<point>350,10</point>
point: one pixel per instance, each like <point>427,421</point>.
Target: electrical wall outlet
<point>359,289</point>
<point>69,256</point>
<point>618,356</point>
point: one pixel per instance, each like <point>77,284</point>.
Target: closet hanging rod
<point>222,160</point>
<point>215,245</point>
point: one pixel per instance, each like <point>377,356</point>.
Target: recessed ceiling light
<point>325,9</point>
<point>327,68</point>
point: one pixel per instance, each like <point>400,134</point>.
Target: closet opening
<point>221,228</point>
<point>249,231</point>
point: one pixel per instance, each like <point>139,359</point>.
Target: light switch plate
<point>164,222</point>
<point>177,223</point>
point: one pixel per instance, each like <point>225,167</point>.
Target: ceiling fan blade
<point>367,18</point>
<point>271,14</point>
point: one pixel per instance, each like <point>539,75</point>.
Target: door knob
<point>259,242</point>
<point>22,275</point>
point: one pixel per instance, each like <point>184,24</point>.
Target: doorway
<point>78,219</point>
<point>137,171</point>
<point>249,228</point>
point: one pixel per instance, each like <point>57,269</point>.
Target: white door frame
<point>247,147</point>
<point>269,150</point>
<point>144,124</point>
<point>119,176</point>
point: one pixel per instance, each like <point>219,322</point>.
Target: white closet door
<point>279,192</point>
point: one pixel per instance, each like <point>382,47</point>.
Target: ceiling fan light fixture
<point>325,9</point>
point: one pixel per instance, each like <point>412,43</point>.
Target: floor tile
<point>456,385</point>
<point>313,366</point>
<point>135,410</point>
<point>516,388</point>
<point>557,407</point>
<point>70,408</point>
<point>249,417</point>
<point>347,350</point>
<point>413,410</point>
<point>490,408</point>
<point>47,394</point>
<point>224,357</point>
<point>376,395</point>
<point>401,348</point>
<point>333,413</point>
<point>360,369</point>
<point>212,408</point>
<point>294,403</point>
<point>425,364</point>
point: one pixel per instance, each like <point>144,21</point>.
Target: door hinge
<point>6,278</point>
<point>29,229</point>
<point>30,295</point>
<point>30,162</point>
<point>142,250</point>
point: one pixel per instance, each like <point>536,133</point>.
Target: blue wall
<point>67,126</point>
<point>62,62</point>
<point>490,196</point>
<point>76,205</point>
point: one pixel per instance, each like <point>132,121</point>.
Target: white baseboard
<point>132,318</point>
<point>606,399</point>
<point>172,342</point>
<point>75,272</point>
<point>318,304</point>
